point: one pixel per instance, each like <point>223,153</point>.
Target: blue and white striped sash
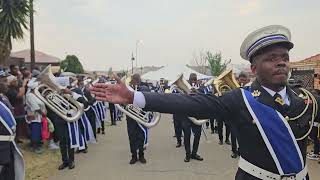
<point>8,120</point>
<point>277,135</point>
<point>88,132</point>
<point>73,128</point>
<point>145,131</point>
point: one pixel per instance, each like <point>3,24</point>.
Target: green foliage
<point>216,64</point>
<point>14,16</point>
<point>71,64</point>
<point>110,71</point>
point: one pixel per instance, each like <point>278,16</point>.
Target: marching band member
<point>214,129</point>
<point>11,159</point>
<point>113,114</point>
<point>99,109</point>
<point>243,79</point>
<point>90,112</point>
<point>137,133</point>
<point>188,126</point>
<point>177,124</point>
<point>270,118</point>
<point>65,132</point>
<point>85,130</point>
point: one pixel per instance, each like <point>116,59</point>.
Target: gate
<point>304,76</point>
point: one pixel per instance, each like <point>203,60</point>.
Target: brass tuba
<point>225,82</point>
<point>48,91</point>
<point>137,114</point>
<point>183,87</point>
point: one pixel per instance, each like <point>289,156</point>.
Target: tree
<point>201,62</point>
<point>110,71</point>
<point>13,20</point>
<point>216,64</point>
<point>71,64</point>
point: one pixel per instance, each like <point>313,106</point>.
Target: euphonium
<point>183,87</point>
<point>137,114</point>
<point>62,104</point>
<point>225,82</point>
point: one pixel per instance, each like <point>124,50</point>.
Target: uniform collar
<point>283,92</point>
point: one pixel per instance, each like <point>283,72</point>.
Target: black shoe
<point>174,136</point>
<point>178,145</point>
<point>133,160</point>
<point>228,142</point>
<point>234,155</point>
<point>62,166</point>
<point>71,165</point>
<point>142,159</point>
<point>220,142</point>
<point>103,132</point>
<point>196,157</point>
<point>85,151</point>
<point>98,131</point>
<point>187,159</point>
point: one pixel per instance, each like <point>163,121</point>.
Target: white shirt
<point>282,93</point>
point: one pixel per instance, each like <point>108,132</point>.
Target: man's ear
<point>253,68</point>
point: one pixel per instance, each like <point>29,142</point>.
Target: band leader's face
<point>272,66</point>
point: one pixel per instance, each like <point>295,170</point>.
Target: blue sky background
<point>103,33</point>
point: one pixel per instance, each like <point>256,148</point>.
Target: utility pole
<point>132,59</point>
<point>32,50</point>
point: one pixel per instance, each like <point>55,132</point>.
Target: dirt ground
<point>108,159</point>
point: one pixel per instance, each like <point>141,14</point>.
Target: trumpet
<point>62,104</point>
<point>183,87</point>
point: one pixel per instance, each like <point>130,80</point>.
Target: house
<point>308,71</point>
<point>22,58</point>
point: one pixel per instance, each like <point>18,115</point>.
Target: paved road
<point>108,159</point>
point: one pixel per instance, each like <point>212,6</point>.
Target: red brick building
<point>22,58</point>
<point>309,70</point>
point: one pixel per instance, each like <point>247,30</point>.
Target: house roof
<point>40,56</point>
<point>312,59</point>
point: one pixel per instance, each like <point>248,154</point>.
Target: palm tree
<point>14,16</point>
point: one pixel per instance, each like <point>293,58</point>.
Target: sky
<point>105,33</point>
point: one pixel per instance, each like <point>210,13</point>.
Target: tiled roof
<point>40,56</point>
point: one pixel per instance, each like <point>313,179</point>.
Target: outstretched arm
<point>197,105</point>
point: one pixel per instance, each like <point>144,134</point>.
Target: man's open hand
<point>115,93</point>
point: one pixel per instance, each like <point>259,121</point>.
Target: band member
<point>113,114</point>
<point>213,122</point>
<point>314,136</point>
<point>188,126</point>
<point>99,108</point>
<point>64,134</point>
<point>177,126</point>
<point>136,133</point>
<point>268,117</point>
<point>90,112</point>
<point>221,122</point>
<point>11,159</point>
<point>85,130</point>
